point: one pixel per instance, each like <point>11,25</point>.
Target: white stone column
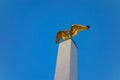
<point>66,65</point>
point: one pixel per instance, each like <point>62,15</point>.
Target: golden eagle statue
<point>65,35</point>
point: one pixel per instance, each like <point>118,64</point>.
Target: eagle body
<point>62,35</point>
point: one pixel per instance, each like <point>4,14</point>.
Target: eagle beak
<point>88,26</point>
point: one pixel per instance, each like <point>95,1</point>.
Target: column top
<point>71,40</point>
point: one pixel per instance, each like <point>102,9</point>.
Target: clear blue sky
<point>27,38</point>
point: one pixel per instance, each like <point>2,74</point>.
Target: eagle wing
<point>76,28</point>
<point>60,34</point>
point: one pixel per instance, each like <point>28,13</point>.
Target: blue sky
<point>27,37</point>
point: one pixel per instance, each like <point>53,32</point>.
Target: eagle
<point>68,34</point>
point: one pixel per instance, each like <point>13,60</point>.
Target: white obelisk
<point>66,65</point>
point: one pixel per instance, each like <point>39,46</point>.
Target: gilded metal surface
<point>65,35</point>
